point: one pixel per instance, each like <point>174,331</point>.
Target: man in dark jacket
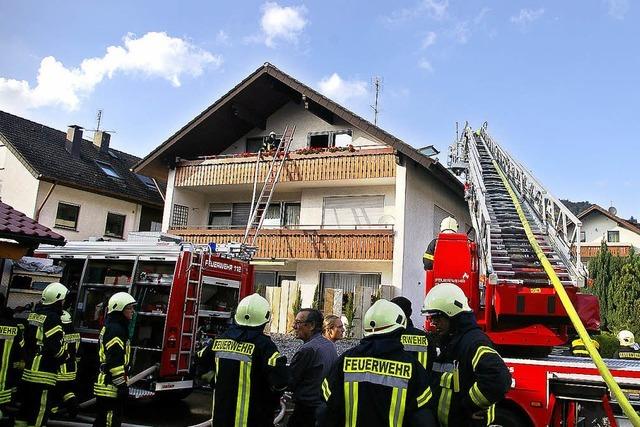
<point>249,372</point>
<point>66,380</point>
<point>416,341</point>
<point>44,352</point>
<point>12,352</point>
<point>111,387</point>
<point>629,348</point>
<point>309,366</point>
<point>469,376</point>
<point>378,383</point>
<point>447,225</point>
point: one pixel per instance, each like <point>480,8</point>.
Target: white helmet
<point>626,338</point>
<point>53,293</point>
<point>383,317</point>
<point>119,301</point>
<point>449,225</point>
<point>253,311</point>
<point>447,299</point>
<point>66,317</point>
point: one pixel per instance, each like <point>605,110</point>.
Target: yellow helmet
<point>119,301</point>
<point>626,338</point>
<point>449,224</point>
<point>66,317</point>
<point>445,298</point>
<point>383,317</point>
<point>253,310</point>
<point>53,293</point>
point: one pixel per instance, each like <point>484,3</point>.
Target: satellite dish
<point>613,210</point>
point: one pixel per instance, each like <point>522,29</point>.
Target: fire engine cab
<point>183,292</point>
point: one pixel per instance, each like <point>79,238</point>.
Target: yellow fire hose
<point>571,311</point>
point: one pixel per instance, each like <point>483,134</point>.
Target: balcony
<point>367,164</point>
<point>306,242</point>
<point>590,251</point>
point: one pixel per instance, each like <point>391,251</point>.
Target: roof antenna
<point>377,83</point>
<point>99,118</point>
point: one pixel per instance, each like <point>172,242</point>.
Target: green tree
<point>625,296</point>
<point>602,268</point>
<point>297,303</point>
<point>350,313</point>
<point>316,298</point>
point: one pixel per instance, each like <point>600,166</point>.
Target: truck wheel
<point>508,417</point>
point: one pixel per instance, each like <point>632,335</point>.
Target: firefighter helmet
<point>445,298</point>
<point>119,301</point>
<point>626,338</point>
<point>253,310</point>
<point>383,317</point>
<point>53,293</point>
<point>449,225</point>
<point>66,317</point>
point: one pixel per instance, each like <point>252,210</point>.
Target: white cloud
<point>425,65</point>
<point>341,90</point>
<point>282,23</point>
<point>433,8</point>
<point>527,16</point>
<point>222,38</point>
<point>429,39</point>
<point>617,8</point>
<point>481,15</point>
<point>154,55</point>
<point>461,32</point>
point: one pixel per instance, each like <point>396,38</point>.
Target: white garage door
<point>350,211</point>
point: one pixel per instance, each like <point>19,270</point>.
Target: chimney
<point>101,140</point>
<point>74,140</point>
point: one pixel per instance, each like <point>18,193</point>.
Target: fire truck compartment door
<point>207,280</point>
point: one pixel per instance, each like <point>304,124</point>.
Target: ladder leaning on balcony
<point>260,205</point>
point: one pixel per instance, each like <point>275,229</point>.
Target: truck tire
<point>509,417</point>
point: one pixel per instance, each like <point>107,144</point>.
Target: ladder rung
<point>191,299</point>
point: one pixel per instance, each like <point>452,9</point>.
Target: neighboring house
<point>600,225</point>
<point>79,188</point>
<point>354,205</point>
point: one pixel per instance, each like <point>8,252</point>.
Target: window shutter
<point>240,214</point>
<point>349,211</point>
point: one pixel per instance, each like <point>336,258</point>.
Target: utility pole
<point>377,84</point>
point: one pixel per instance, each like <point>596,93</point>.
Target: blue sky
<point>556,81</point>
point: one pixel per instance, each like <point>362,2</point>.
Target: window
<point>67,216</point>
<point>326,139</point>
<point>180,216</point>
<point>613,236</point>
<point>583,236</point>
<point>115,225</point>
<point>348,282</point>
<point>147,181</point>
<point>352,210</point>
<point>264,278</point>
<point>240,214</point>
<point>319,140</point>
<point>291,214</point>
<point>219,219</point>
<point>108,169</point>
<point>342,138</point>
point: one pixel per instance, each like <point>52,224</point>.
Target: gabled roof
<point>41,150</point>
<point>17,226</point>
<point>621,222</point>
<point>247,106</point>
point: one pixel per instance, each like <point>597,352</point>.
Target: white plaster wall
<point>292,113</point>
<point>596,225</point>
<point>422,192</point>
<point>313,199</point>
<point>92,218</point>
<point>308,273</point>
<point>168,204</point>
<point>19,187</point>
<point>198,212</point>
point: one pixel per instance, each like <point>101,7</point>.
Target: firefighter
<point>270,143</point>
<point>12,352</point>
<point>468,376</point>
<point>66,380</point>
<point>250,374</point>
<point>579,349</point>
<point>414,340</point>
<point>111,387</point>
<point>448,225</point>
<point>44,352</point>
<point>629,348</point>
<point>378,383</point>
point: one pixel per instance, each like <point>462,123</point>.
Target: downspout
<point>36,217</point>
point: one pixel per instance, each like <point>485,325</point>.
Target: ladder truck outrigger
<point>522,275</point>
<point>185,292</point>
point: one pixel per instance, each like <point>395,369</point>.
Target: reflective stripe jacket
<point>113,350</point>
<point>11,351</point>
<point>628,352</point>
<point>250,375</point>
<point>469,376</point>
<point>43,345</point>
<point>376,383</point>
<point>579,349</point>
<point>416,342</point>
<point>69,368</point>
<point>427,258</point>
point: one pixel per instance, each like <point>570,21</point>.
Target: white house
<point>355,205</point>
<point>601,225</point>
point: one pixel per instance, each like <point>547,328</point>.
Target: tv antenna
<point>377,84</point>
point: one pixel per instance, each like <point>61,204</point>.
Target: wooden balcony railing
<point>590,251</point>
<point>326,166</point>
<point>368,244</point>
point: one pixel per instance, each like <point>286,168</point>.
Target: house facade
<point>354,205</point>
<point>79,188</point>
<point>601,225</point>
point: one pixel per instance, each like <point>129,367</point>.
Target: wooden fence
<point>282,300</point>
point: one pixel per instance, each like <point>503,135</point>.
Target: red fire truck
<point>182,292</point>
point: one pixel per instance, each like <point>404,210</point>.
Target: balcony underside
<point>305,244</point>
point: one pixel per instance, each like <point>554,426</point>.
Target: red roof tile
<point>17,226</point>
